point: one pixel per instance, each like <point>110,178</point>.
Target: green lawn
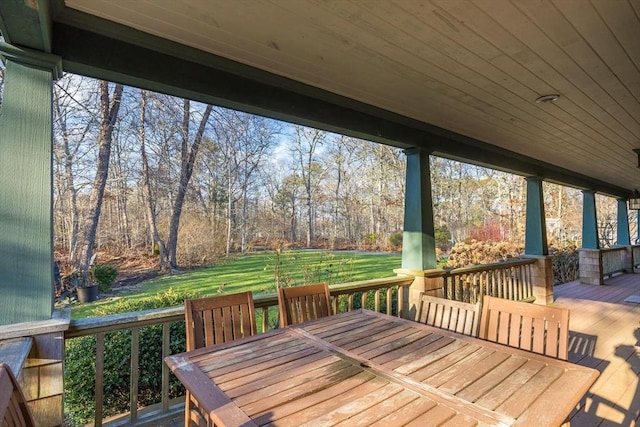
<point>256,272</point>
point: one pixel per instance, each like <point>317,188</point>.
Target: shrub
<point>565,264</point>
<point>395,239</point>
<point>80,364</point>
<point>474,253</point>
<point>370,238</point>
<point>105,276</point>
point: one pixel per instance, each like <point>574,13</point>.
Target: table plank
<point>312,406</point>
<point>469,363</point>
<point>398,402</point>
<point>501,392</point>
<point>263,369</point>
<point>355,406</point>
<point>311,371</point>
<point>301,389</point>
<point>408,413</point>
<point>479,388</point>
<point>372,341</point>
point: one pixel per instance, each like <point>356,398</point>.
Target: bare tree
<point>189,152</point>
<point>146,181</point>
<point>307,141</point>
<point>109,107</point>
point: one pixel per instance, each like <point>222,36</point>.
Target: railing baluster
<point>166,339</point>
<point>389,301</point>
<point>350,305</point>
<point>400,301</point>
<point>363,299</point>
<point>134,375</point>
<point>99,378</point>
<point>377,300</point>
<point>265,318</point>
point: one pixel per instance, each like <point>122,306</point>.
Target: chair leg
<point>193,417</point>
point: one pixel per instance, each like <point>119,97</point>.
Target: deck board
<point>605,334</point>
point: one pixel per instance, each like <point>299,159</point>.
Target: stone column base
<point>590,261</point>
<point>542,277</point>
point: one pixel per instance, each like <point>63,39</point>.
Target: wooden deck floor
<point>605,335</point>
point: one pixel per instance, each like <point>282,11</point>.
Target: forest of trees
<point>142,172</point>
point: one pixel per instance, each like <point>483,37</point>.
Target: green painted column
<point>535,241</point>
<point>418,241</point>
<point>26,224</point>
<point>590,238</point>
<point>623,234</point>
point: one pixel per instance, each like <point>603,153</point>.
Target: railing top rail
<point>345,288</point>
<point>93,325</point>
<point>492,266</point>
<point>614,249</point>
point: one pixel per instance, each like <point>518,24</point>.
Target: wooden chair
<point>302,303</point>
<point>456,316</point>
<point>13,407</point>
<point>537,328</point>
<point>215,320</point>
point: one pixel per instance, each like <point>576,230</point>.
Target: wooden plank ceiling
<point>472,67</point>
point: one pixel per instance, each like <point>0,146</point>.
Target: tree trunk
<point>69,183</point>
<point>148,195</point>
<point>108,117</point>
<point>188,159</point>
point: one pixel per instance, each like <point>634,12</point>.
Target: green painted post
<point>418,238</point>
<point>623,234</point>
<point>536,229</point>
<point>26,224</point>
<point>590,238</point>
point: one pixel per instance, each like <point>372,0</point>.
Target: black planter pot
<point>88,294</point>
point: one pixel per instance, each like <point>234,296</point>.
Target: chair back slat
<point>456,316</point>
<point>537,328</point>
<point>302,303</point>
<point>13,406</point>
<point>218,319</point>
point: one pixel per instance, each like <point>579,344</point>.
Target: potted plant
<point>86,287</point>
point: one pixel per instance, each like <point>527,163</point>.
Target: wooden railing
<point>386,295</point>
<point>614,260</point>
<point>510,279</point>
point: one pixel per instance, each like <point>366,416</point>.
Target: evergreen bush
<point>105,276</point>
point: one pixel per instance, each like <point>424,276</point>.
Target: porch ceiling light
<point>634,200</point>
<point>637,151</point>
<point>544,99</point>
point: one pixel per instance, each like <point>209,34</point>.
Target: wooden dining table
<point>366,368</point>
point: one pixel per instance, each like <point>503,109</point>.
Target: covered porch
<point>548,91</point>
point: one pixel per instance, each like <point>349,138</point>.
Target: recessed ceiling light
<point>547,98</point>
